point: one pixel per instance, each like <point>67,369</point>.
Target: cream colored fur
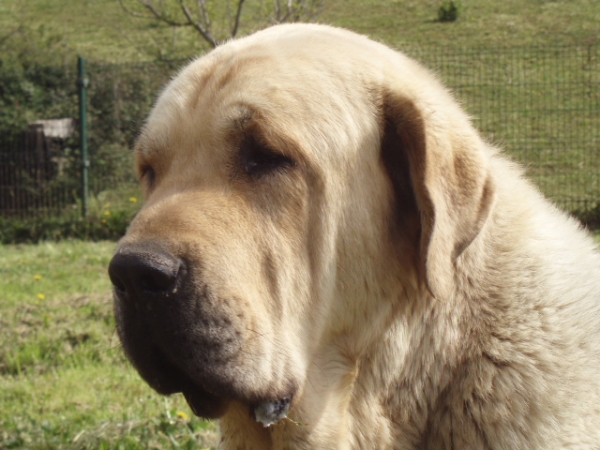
<point>426,295</point>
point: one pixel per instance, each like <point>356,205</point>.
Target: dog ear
<point>438,168</point>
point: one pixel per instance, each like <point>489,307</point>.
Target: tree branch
<point>200,20</point>
<point>238,14</point>
<point>203,32</point>
<point>154,12</point>
<point>204,14</point>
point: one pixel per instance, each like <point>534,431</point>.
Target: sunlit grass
<point>101,30</point>
<point>64,382</point>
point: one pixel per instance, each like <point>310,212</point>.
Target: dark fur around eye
<point>258,159</point>
<point>148,175</point>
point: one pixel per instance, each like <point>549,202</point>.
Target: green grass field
<point>100,30</point>
<point>64,381</point>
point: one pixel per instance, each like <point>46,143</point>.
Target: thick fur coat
<point>328,244</point>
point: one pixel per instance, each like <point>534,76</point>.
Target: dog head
<point>297,184</point>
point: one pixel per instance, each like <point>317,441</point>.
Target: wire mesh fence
<point>541,105</point>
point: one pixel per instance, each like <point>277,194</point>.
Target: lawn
<point>64,381</point>
<point>100,30</point>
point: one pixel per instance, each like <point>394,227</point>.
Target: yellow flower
<point>107,213</point>
<point>182,415</point>
<point>37,277</point>
<point>132,199</point>
<point>103,220</point>
<point>41,296</point>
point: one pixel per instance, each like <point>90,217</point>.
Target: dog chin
<point>207,399</point>
<point>204,404</point>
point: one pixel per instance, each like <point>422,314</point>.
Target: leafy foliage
<point>32,84</point>
<point>448,11</point>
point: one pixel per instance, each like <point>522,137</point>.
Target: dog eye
<point>258,159</point>
<point>147,175</point>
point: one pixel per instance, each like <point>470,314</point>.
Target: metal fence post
<point>82,83</point>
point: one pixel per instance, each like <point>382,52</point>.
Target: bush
<point>590,218</point>
<point>109,215</point>
<point>72,226</point>
<point>448,12</point>
<point>36,79</point>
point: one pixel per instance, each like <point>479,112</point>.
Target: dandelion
<point>182,415</point>
<point>37,277</point>
<point>107,213</point>
<point>41,296</point>
<point>133,199</point>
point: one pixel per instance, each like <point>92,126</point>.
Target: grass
<point>64,382</point>
<point>99,29</point>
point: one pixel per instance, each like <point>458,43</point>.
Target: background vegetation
<point>64,383</point>
<point>99,30</point>
<point>131,58</point>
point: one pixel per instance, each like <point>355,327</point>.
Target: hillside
<point>101,30</point>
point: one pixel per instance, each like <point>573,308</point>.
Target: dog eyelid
<point>258,159</point>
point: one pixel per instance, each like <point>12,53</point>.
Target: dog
<point>329,256</point>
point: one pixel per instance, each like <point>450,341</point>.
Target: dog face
<point>289,203</point>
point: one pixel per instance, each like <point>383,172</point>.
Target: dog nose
<point>141,270</point>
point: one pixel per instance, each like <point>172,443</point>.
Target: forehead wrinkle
<point>223,72</point>
<point>276,136</point>
<point>148,145</point>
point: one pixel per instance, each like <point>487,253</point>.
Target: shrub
<point>109,215</point>
<point>71,226</point>
<point>589,217</point>
<point>448,11</point>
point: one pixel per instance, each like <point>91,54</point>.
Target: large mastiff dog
<point>330,257</point>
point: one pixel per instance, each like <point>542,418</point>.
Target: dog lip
<point>203,403</point>
<point>170,379</point>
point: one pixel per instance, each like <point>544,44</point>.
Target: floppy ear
<point>441,161</point>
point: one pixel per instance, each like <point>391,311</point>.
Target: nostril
<point>117,284</point>
<point>142,271</point>
<point>157,278</point>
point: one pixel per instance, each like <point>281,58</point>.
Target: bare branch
<point>203,32</point>
<point>204,13</point>
<point>228,19</point>
<point>236,22</point>
<point>154,12</point>
<point>131,12</point>
<point>295,10</point>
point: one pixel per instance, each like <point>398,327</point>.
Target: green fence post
<point>82,83</point>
